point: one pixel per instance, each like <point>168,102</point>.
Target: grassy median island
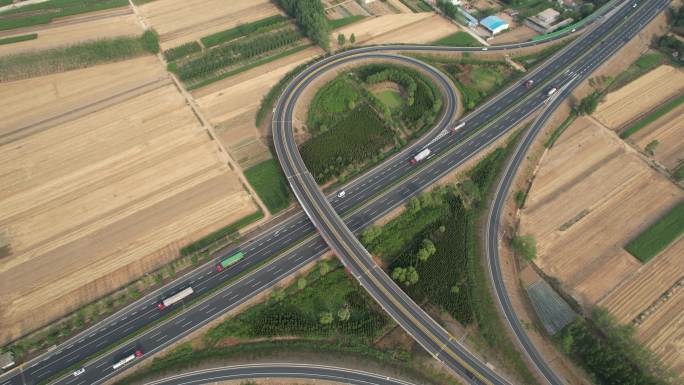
<point>660,235</point>
<point>364,115</point>
<point>458,39</point>
<point>324,312</point>
<point>433,251</point>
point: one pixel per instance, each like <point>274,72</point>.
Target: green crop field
<point>17,39</point>
<point>391,98</point>
<point>652,117</point>
<point>182,51</point>
<point>81,55</point>
<point>242,30</point>
<point>44,13</point>
<point>269,182</point>
<point>660,235</point>
<point>339,23</point>
<point>458,39</point>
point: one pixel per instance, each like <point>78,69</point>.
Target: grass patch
<point>331,104</point>
<point>458,39</point>
<point>221,234</point>
<point>559,130</point>
<point>31,64</point>
<point>247,67</point>
<point>652,117</point>
<point>359,136</point>
<point>642,65</point>
<point>242,30</point>
<point>339,23</point>
<point>182,51</point>
<point>44,13</point>
<point>269,182</point>
<point>17,39</point>
<point>391,98</point>
<point>660,235</point>
<point>678,172</point>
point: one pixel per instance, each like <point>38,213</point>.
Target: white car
<point>341,194</point>
<point>634,5</point>
<point>79,372</point>
<point>484,49</point>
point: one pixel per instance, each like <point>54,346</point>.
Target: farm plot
<point>231,105</point>
<point>102,193</point>
<point>62,34</point>
<point>401,28</point>
<point>668,130</point>
<point>640,96</point>
<point>659,324</point>
<point>592,196</point>
<point>182,21</point>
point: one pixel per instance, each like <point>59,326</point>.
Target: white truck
<point>420,156</point>
<point>457,127</point>
<point>127,359</point>
<point>175,298</point>
<point>551,91</point>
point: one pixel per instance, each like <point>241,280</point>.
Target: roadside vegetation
<point>242,30</point>
<point>417,6</point>
<point>645,63</point>
<point>44,13</point>
<point>433,251</point>
<point>560,129</point>
<point>609,352</point>
<point>268,101</point>
<point>18,39</point>
<point>339,23</point>
<point>322,312</point>
<point>476,79</point>
<point>81,55</point>
<point>660,235</point>
<point>458,39</point>
<point>310,16</point>
<point>269,182</point>
<point>364,115</point>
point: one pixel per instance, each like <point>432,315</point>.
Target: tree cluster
<point>310,16</point>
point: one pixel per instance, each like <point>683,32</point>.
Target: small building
<point>548,16</point>
<point>6,360</point>
<point>471,20</point>
<point>494,24</point>
<point>546,21</point>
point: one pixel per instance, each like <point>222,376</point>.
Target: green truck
<point>226,263</point>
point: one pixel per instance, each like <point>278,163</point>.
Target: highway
<point>279,370</point>
<point>292,239</point>
<point>585,55</point>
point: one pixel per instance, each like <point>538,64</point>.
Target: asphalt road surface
<point>435,339</point>
<point>279,371</point>
<point>293,241</point>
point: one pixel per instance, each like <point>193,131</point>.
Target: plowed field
<point>106,172</point>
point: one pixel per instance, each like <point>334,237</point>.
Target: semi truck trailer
<point>175,298</point>
<point>420,156</point>
<point>457,127</point>
<point>226,263</point>
<point>127,359</point>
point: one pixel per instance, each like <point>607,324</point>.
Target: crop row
<point>242,30</point>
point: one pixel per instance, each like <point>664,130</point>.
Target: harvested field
<point>668,130</point>
<point>231,105</point>
<point>662,329</point>
<point>640,96</point>
<point>70,33</point>
<point>181,21</point>
<point>103,180</point>
<point>402,28</point>
<point>593,194</point>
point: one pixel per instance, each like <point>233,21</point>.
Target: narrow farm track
<point>294,241</point>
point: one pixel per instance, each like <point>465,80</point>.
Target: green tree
<point>520,198</point>
<point>427,250</point>
<point>399,274</point>
<point>326,318</point>
<point>370,234</point>
<point>352,39</point>
<point>341,39</point>
<point>278,295</point>
<point>324,268</point>
<point>412,276</point>
<point>525,246</point>
<point>470,191</point>
<point>651,147</point>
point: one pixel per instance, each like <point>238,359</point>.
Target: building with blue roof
<point>494,24</point>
